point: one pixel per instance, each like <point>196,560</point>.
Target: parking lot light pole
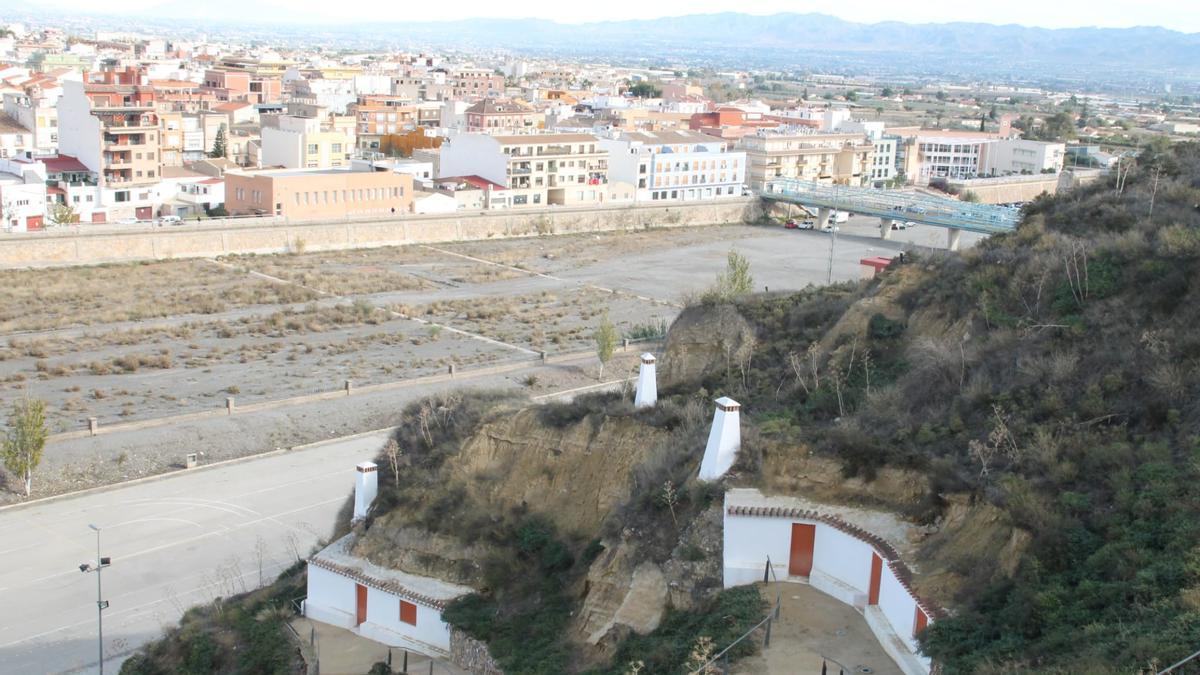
<point>101,563</point>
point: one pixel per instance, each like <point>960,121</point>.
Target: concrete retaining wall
<point>48,249</point>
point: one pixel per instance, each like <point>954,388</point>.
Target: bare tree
<point>670,497</point>
<point>391,450</point>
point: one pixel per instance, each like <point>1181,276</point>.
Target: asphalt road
<point>174,542</point>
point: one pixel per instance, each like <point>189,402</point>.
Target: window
<point>312,148</point>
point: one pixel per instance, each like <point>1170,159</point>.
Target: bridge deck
<point>919,208</point>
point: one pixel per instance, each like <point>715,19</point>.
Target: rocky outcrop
<point>471,655</point>
<point>704,339</point>
<point>415,550</point>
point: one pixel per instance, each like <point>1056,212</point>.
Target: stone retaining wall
<point>52,248</point>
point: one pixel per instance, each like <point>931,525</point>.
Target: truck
<point>838,216</point>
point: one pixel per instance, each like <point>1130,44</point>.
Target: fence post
<point>778,603</point>
<point>725,665</point>
<point>767,571</point>
<point>767,639</point>
<point>405,662</point>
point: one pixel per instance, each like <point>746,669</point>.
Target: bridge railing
<point>899,205</point>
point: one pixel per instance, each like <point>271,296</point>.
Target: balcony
<point>519,171</point>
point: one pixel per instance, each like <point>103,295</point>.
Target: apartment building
<point>378,116</point>
<point>318,194</point>
<point>496,116</point>
<point>37,113</point>
<point>245,80</point>
<point>110,123</point>
<point>797,152</point>
<point>422,87</point>
<point>475,83</point>
<point>295,142</point>
<point>1019,156</point>
<point>536,169</point>
<point>675,165</point>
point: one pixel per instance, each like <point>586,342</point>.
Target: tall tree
<point>62,213</point>
<point>219,149</point>
<point>606,342</point>
<point>26,439</point>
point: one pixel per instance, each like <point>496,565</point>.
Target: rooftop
<point>424,590</point>
<point>535,139</point>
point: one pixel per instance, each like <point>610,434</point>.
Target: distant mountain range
<point>960,47</point>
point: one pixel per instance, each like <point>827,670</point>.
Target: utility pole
<point>101,604</point>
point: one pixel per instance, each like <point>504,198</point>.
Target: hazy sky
<point>1179,15</point>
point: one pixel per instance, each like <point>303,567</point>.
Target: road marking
<point>222,529</point>
<point>474,336</point>
<point>544,275</point>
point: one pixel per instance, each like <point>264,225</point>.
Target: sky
<point>1178,15</point>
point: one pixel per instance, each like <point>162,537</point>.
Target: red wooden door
<point>876,576</point>
<point>920,622</point>
<point>360,593</point>
<point>801,560</point>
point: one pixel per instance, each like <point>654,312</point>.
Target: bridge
<point>891,206</point>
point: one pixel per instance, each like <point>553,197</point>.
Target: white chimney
<point>366,486</point>
<point>647,386</point>
<point>723,440</point>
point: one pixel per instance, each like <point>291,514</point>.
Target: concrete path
<point>344,653</point>
<point>814,628</point>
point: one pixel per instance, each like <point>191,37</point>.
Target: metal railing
<point>891,204</point>
<point>723,655</point>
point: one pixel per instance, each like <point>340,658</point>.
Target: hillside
<point>1030,404</point>
<point>1046,380</point>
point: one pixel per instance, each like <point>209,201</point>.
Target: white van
<point>170,220</point>
<point>839,217</point>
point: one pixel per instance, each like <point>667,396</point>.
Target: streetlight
<point>101,604</point>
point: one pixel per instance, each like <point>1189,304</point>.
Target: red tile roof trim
<point>885,550</point>
<point>385,586</point>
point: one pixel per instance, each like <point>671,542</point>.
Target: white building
<point>381,604</point>
<point>801,543</point>
<point>1020,156</point>
<point>675,165</point>
<point>22,196</point>
<point>295,142</point>
<point>385,605</point>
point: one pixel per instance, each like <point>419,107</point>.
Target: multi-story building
<point>537,169</point>
<point>794,152</point>
<point>493,116</point>
<point>475,83</point>
<point>421,87</point>
<point>318,194</point>
<point>110,123</point>
<point>379,116</point>
<point>675,165</point>
<point>38,115</point>
<point>22,196</point>
<point>969,154</point>
<point>295,142</point>
<point>245,80</point>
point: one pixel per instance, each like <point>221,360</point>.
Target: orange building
<point>321,194</point>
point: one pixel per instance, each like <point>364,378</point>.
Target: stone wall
<point>471,655</point>
<point>49,249</point>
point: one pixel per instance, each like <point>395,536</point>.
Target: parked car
<point>793,224</point>
<point>831,228</point>
<point>171,220</point>
<point>914,208</point>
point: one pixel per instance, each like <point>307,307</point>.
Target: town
<point>514,346</point>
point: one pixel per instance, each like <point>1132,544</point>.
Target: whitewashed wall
<point>332,599</point>
<point>841,569</point>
